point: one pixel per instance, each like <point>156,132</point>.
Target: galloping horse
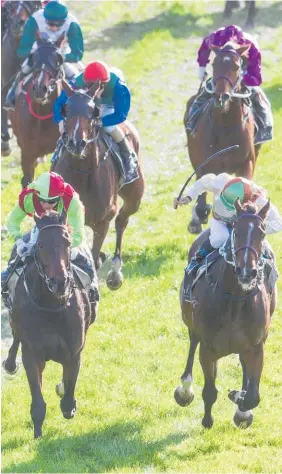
<point>230,313</point>
<point>50,317</point>
<point>225,121</point>
<point>87,164</point>
<point>18,13</point>
<point>32,120</point>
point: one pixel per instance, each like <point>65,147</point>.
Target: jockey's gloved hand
<point>61,127</point>
<point>74,253</point>
<point>201,72</point>
<point>24,248</point>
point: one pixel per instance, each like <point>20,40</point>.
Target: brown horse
<point>230,313</point>
<point>17,13</point>
<point>50,317</point>
<point>226,121</point>
<point>87,164</point>
<point>32,121</point>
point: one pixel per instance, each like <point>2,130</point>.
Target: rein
<point>34,114</point>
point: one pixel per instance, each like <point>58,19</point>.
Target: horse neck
<point>228,281</point>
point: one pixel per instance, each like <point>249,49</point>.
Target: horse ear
<point>243,50</point>
<point>37,220</point>
<point>238,206</point>
<point>264,210</point>
<point>60,40</point>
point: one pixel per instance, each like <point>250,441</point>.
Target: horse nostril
<point>254,273</point>
<point>83,143</point>
<point>225,97</point>
<point>238,271</point>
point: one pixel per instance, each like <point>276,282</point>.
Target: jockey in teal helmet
<point>50,23</point>
<point>226,190</point>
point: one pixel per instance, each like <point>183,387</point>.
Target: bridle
<point>224,249</point>
<point>46,279</point>
<point>210,86</point>
<point>55,74</point>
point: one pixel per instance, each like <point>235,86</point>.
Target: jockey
<point>51,22</point>
<point>50,192</point>
<point>113,102</point>
<point>251,78</point>
<point>226,190</point>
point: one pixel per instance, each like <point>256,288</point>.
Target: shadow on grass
<point>179,24</point>
<point>118,446</point>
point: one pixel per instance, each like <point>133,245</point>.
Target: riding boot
<point>11,96</point>
<point>5,277</point>
<point>57,152</point>
<point>130,161</point>
<point>263,116</point>
<point>196,109</point>
<point>192,268</point>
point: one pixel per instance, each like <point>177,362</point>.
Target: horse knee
<point>209,393</point>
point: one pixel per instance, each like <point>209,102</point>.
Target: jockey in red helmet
<point>226,190</point>
<point>112,98</point>
<point>49,192</point>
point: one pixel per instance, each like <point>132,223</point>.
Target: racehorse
<point>87,164</point>
<point>225,121</point>
<point>32,121</point>
<point>50,317</point>
<point>230,313</point>
<point>250,6</point>
<point>17,15</point>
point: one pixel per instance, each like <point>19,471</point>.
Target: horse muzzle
<point>247,277</point>
<point>222,100</point>
<point>76,148</point>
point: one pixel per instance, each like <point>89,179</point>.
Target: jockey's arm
<point>75,40</point>
<point>252,76</point>
<point>76,220</point>
<point>58,105</point>
<point>28,38</point>
<point>208,183</point>
<point>273,220</point>
<point>121,103</point>
<point>14,220</point>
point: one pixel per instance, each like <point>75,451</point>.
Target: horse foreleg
<point>100,231</point>
<point>10,364</point>
<point>28,168</point>
<point>34,371</point>
<point>209,366</point>
<point>253,359</point>
<point>184,393</point>
<point>243,419</point>
<point>70,374</point>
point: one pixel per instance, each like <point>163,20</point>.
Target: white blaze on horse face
<point>76,128</point>
<point>40,77</point>
<point>226,59</point>
<point>250,229</point>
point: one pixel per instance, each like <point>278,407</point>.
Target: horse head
<point>52,252</point>
<point>247,238</point>
<point>227,72</point>
<point>47,63</point>
<point>19,13</point>
<point>79,122</point>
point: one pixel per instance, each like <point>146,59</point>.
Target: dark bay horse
<point>226,121</point>
<point>17,15</point>
<point>87,164</point>
<point>50,317</point>
<point>230,313</point>
<point>32,121</point>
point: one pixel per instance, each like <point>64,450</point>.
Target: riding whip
<point>220,152</point>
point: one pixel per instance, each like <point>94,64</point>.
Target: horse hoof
<point>194,228</point>
<point>60,389</point>
<point>183,398</point>
<point>10,371</point>
<point>243,419</point>
<point>114,280</point>
<point>207,421</point>
<point>69,414</point>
